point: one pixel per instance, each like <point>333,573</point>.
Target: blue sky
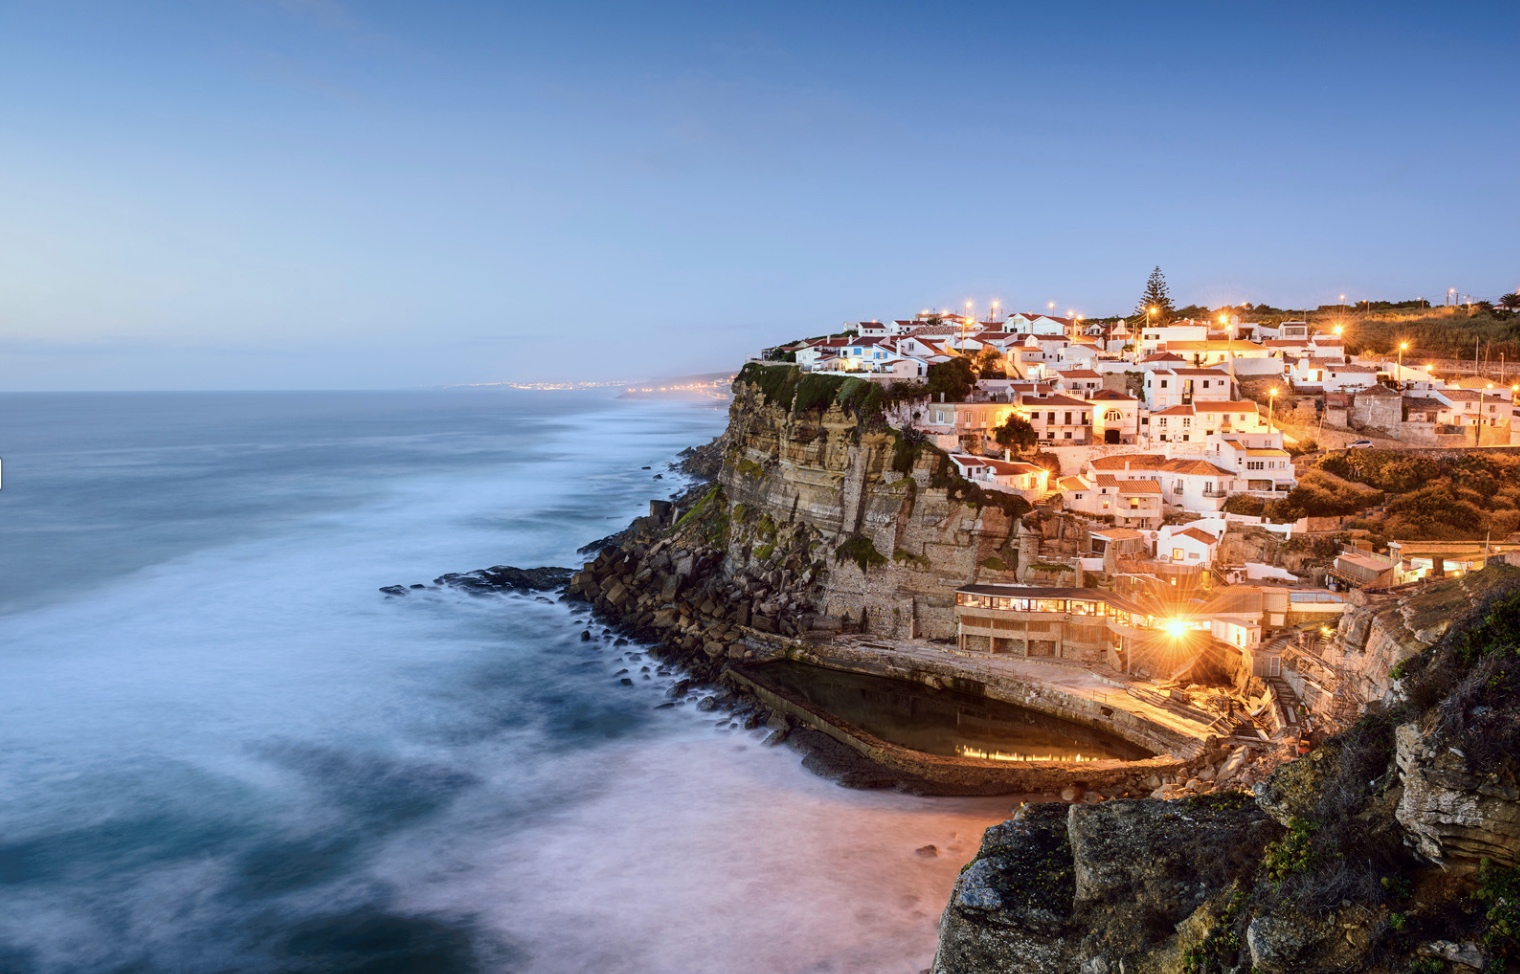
<point>336,194</point>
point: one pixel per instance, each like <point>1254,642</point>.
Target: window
<point>1068,434</point>
<point>1113,416</point>
<point>1068,420</point>
<point>1160,420</point>
<point>1134,503</point>
<point>1176,554</point>
<point>1163,383</point>
<point>1050,419</point>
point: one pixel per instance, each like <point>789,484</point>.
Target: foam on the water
<point>223,749</point>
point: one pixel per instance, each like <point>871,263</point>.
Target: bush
<point>1244,504</point>
<point>859,549</point>
<point>1319,494</point>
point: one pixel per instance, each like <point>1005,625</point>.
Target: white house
<point>1176,387</point>
<point>1193,423</point>
<point>1078,382</point>
<point>1028,323</point>
<point>1057,419</point>
<point>1183,544</point>
<point>1115,417</point>
<point>1011,476</point>
<point>1153,337</point>
<point>1133,503</point>
<point>1186,482</point>
<point>1260,464</point>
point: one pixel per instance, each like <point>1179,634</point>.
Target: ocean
<point>222,749</point>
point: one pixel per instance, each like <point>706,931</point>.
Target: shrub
<point>859,549</point>
<point>1244,504</point>
<point>1499,892</point>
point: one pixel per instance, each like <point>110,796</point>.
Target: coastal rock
<point>1451,812</point>
<point>505,578</point>
<point>1105,886</point>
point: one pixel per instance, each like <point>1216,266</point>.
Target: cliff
<point>891,537</point>
<point>818,518</point>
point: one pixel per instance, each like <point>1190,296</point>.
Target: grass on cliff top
<point>788,387</point>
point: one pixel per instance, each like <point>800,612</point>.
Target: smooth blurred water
<point>222,749</point>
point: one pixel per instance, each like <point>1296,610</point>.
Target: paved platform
<point>1102,686</point>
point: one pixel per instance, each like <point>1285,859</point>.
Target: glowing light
<point>1152,309</point>
<point>1403,346</point>
<point>1273,392</point>
<point>1175,627</point>
<point>1339,329</point>
<point>1224,319</point>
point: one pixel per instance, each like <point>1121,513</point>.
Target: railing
<point>1216,492</point>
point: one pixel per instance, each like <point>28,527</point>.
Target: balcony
<point>1216,492</point>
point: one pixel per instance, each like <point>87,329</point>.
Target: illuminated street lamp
<point>1271,408</point>
<point>1339,330</point>
<point>1403,347</point>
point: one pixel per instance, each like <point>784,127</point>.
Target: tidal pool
<point>944,722</point>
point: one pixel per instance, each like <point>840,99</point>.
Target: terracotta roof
<point>1073,483</point>
<point>1109,395</point>
<point>1140,487</point>
<point>1196,535</point>
<point>1136,461</point>
<point>1164,357</point>
<point>1012,468</point>
<point>1187,465</point>
<point>1226,406</point>
<point>1079,374</point>
<point>1353,368</point>
<point>1174,411</point>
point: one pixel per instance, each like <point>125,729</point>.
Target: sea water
<point>223,749</point>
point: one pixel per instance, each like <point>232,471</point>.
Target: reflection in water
<point>944,721</point>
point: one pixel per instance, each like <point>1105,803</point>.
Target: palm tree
<point>1510,302</point>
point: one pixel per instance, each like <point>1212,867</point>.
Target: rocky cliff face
<point>908,544</point>
<point>1123,885</point>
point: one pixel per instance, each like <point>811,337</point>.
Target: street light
<point>1339,329</point>
<point>1403,347</point>
<point>1271,408</point>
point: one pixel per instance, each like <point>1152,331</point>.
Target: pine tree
<point>1155,296</point>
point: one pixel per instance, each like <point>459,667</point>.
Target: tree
<point>988,364</point>
<point>1155,296</point>
<point>1510,302</point>
<point>1016,434</point>
<point>952,378</point>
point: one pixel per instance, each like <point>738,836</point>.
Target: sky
<point>329,194</point>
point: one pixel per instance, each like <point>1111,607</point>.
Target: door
<point>1110,436</point>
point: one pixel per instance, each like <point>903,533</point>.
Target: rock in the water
<point>927,851</point>
<point>505,578</point>
<point>394,589</point>
<point>585,635</point>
